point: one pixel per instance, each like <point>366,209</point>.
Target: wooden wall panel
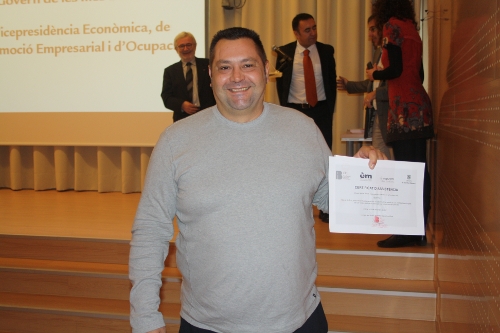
<point>466,177</point>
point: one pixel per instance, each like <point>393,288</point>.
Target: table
<point>351,138</point>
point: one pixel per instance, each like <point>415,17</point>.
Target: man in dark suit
<point>186,84</point>
<point>291,86</point>
<point>377,97</point>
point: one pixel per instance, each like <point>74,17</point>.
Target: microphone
<point>275,74</point>
<point>285,56</point>
<point>369,113</point>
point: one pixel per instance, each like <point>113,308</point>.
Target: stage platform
<point>110,216</point>
<point>67,214</point>
<point>64,268</point>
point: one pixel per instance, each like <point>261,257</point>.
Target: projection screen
<point>73,69</point>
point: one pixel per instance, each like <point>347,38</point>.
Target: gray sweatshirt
<point>243,195</point>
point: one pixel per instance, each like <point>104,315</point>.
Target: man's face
<point>239,79</point>
<point>186,48</point>
<point>306,33</point>
<point>374,34</point>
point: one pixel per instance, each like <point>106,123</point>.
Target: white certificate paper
<point>385,200</point>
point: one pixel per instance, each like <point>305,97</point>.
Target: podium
<point>351,138</point>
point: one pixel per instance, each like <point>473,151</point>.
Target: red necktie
<point>311,95</point>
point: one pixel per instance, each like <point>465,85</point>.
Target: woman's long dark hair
<point>400,9</point>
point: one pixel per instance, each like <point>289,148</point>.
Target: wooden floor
<point>67,214</point>
<point>110,216</point>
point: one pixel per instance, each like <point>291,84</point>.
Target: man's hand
<point>341,83</point>
<point>373,154</point>
<point>159,330</point>
<point>189,107</point>
<point>369,97</point>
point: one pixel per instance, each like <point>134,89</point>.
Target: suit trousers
<point>316,323</point>
<point>378,140</point>
<point>322,116</point>
<point>415,150</point>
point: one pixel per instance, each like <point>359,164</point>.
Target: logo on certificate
<point>342,175</point>
<point>365,177</point>
<point>409,180</point>
<point>378,222</point>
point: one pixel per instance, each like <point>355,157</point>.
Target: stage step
<point>68,283</point>
<point>29,313</point>
<point>356,324</point>
<point>371,291</point>
<point>77,279</point>
<point>70,249</point>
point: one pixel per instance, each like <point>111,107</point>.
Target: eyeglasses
<point>188,46</point>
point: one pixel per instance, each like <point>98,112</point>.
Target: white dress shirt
<point>297,93</point>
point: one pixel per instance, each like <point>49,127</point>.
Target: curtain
<point>102,169</point>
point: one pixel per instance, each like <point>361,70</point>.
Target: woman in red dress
<point>409,123</point>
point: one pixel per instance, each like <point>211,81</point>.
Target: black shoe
<point>324,216</point>
<point>402,241</point>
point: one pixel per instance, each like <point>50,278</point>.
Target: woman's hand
<point>369,72</point>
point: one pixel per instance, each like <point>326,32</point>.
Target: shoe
<point>324,216</point>
<point>402,241</point>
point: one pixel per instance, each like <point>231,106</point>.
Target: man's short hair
<point>300,17</point>
<point>234,34</point>
<point>372,17</point>
<point>182,35</point>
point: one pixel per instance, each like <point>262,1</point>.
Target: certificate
<point>385,200</point>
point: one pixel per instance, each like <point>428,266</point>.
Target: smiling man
<point>239,76</point>
<point>186,84</point>
<point>241,177</point>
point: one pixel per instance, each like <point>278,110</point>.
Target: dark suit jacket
<point>174,91</point>
<point>381,94</point>
<point>325,52</point>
